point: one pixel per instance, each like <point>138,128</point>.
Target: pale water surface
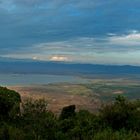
<point>32,79</point>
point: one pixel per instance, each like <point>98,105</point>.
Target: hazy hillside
<point>28,66</point>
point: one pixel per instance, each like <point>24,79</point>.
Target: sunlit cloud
<point>35,58</point>
<point>58,58</point>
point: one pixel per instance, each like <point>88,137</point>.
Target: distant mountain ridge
<point>42,67</point>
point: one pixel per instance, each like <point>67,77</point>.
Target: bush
<point>109,134</point>
<point>38,122</point>
<point>122,114</point>
<point>9,103</point>
<point>116,121</point>
<point>67,112</point>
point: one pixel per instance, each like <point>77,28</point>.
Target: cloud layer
<point>89,31</point>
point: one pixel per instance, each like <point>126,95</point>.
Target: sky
<point>78,31</point>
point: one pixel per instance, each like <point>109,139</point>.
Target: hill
<point>46,67</point>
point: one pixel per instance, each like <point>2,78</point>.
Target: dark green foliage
<point>67,112</point>
<point>122,114</point>
<point>109,134</point>
<point>34,108</point>
<point>116,121</point>
<point>9,103</point>
<point>38,123</point>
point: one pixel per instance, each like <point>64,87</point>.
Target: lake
<point>33,79</point>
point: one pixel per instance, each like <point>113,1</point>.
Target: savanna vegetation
<point>30,120</point>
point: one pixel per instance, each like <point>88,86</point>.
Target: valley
<point>88,96</point>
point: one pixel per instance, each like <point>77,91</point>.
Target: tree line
<point>30,120</point>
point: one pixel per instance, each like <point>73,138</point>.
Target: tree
<point>9,103</point>
<point>68,111</point>
<point>121,114</point>
<point>38,122</point>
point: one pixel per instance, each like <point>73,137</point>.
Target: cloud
<point>131,39</point>
<point>56,3</point>
<point>103,50</point>
<point>58,58</point>
<point>82,30</point>
<point>87,45</point>
<point>35,58</point>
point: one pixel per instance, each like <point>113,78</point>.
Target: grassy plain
<point>85,96</point>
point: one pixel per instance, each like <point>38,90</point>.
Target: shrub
<point>67,112</point>
<point>9,103</point>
